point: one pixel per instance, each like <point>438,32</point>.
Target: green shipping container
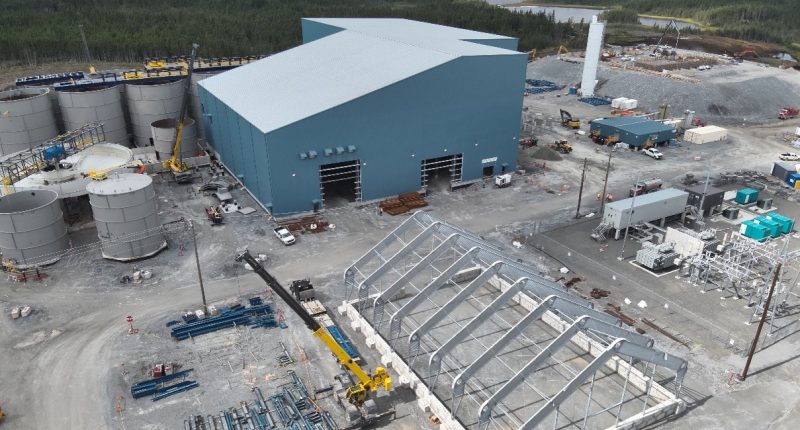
<point>787,224</point>
<point>774,227</point>
<point>746,195</point>
<point>753,231</point>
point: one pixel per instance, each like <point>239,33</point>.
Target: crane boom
<point>356,394</point>
<point>175,163</point>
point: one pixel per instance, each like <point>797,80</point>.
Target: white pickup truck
<point>284,235</point>
<point>652,152</point>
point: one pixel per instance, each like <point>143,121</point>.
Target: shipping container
<point>707,134</point>
<point>753,231</point>
<point>646,208</point>
<point>786,223</point>
<point>782,170</point>
<point>773,227</point>
<point>746,196</point>
<point>713,196</point>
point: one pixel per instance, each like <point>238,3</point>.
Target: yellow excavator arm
<point>357,393</point>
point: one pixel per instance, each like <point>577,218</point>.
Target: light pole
<point>197,262</point>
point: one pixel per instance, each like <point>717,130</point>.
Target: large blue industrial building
<point>365,109</point>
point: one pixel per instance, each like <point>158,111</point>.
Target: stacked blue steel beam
<point>260,315</point>
<point>341,340</point>
<point>174,389</point>
<point>146,388</point>
<point>595,101</point>
<point>537,86</point>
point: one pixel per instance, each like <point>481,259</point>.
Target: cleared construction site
<point>596,240</point>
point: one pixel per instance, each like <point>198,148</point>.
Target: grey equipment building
<point>366,109</point>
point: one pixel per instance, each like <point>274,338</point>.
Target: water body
<point>564,14</point>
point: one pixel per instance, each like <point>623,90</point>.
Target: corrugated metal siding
<point>467,102</point>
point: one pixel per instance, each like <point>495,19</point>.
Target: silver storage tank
<point>163,132</point>
<point>26,119</point>
<point>80,107</point>
<point>148,103</point>
<point>197,109</point>
<point>32,229</point>
<point>125,212</point>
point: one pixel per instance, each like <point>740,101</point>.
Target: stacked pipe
<point>254,316</point>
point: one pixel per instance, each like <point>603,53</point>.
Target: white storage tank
<point>26,119</point>
<point>163,132</point>
<point>84,106</point>
<point>125,212</point>
<point>646,208</point>
<point>707,134</point>
<point>32,229</point>
<point>151,102</point>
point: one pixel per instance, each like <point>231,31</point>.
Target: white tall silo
<point>152,102</point>
<point>32,229</point>
<point>592,58</point>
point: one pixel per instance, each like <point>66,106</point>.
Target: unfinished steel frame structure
<point>744,268</point>
<point>486,342</point>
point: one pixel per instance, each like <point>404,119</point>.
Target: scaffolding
<point>743,268</point>
<point>487,342</point>
<point>22,164</point>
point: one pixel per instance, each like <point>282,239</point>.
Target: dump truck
<point>788,113</point>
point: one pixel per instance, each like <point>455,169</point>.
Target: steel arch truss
<point>440,285</point>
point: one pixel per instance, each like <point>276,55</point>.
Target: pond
<point>576,14</point>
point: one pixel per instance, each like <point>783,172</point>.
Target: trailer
<point>657,206</point>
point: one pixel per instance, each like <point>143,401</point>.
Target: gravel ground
<point>727,94</point>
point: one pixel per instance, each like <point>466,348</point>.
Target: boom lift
<point>357,393</point>
<point>180,171</point>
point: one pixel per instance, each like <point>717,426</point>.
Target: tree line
<point>758,20</point>
<point>37,31</point>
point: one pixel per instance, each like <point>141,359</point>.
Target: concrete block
<point>355,325</point>
<point>342,310</point>
<point>386,360</point>
<point>424,404</point>
<point>370,341</point>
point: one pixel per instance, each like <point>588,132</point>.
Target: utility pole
<point>630,219</point>
<point>605,184</point>
<point>752,352</point>
<point>580,191</point>
<point>197,262</point>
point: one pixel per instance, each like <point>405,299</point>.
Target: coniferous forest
<point>35,31</point>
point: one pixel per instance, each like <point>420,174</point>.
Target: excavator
<point>180,171</point>
<point>568,121</point>
<point>355,394</point>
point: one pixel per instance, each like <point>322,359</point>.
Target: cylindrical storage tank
<point>149,103</point>
<point>164,138</point>
<point>125,213</point>
<point>81,107</point>
<point>197,109</point>
<point>32,229</point>
<point>26,119</point>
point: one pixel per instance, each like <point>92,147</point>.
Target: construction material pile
<point>195,324</point>
<point>403,203</point>
<point>159,387</point>
<point>306,224</point>
<point>538,86</point>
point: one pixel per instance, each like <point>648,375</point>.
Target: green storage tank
<point>787,224</point>
<point>774,227</point>
<point>754,231</point>
<point>746,195</point>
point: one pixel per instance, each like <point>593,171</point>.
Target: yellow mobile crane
<point>357,393</point>
<point>180,171</point>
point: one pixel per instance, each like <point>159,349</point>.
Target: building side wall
<point>470,105</point>
<point>510,44</point>
<point>313,30</point>
<point>241,147</point>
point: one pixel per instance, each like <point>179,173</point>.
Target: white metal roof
<point>709,129</point>
<point>646,199</point>
<point>292,85</point>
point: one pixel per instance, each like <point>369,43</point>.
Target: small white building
<point>706,134</point>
